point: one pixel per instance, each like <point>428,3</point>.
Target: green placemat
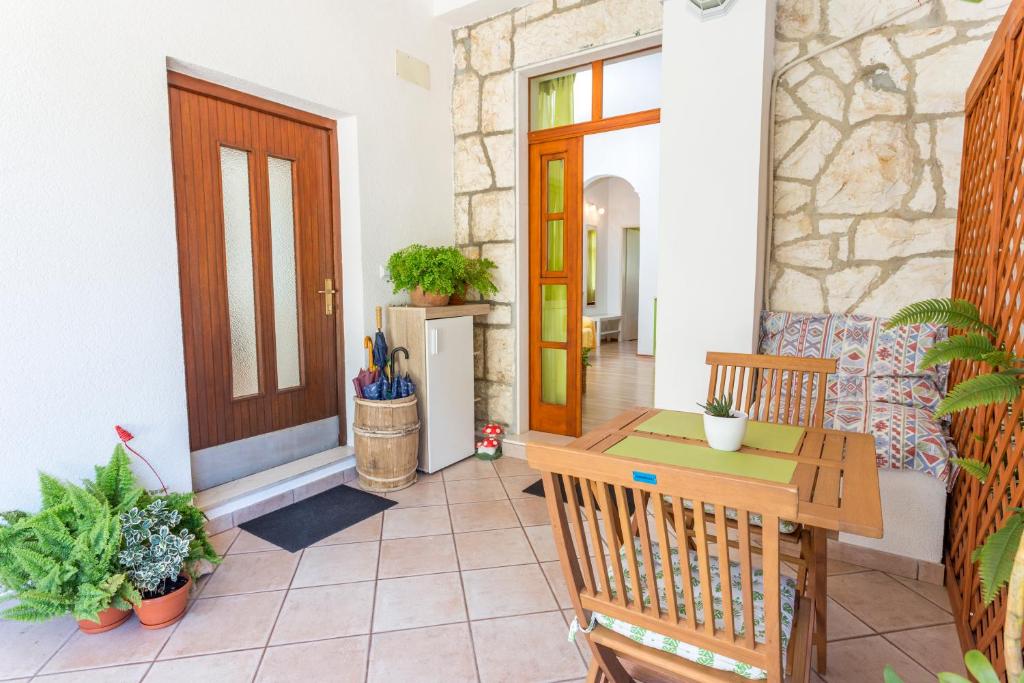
<point>762,435</point>
<point>705,458</point>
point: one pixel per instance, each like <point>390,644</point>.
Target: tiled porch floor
<point>458,582</point>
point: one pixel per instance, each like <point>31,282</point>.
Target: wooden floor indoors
<point>617,380</point>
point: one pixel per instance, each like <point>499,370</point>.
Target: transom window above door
<point>596,91</point>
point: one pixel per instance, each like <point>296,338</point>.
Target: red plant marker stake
<point>125,436</point>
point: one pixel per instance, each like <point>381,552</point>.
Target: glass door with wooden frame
<point>603,95</point>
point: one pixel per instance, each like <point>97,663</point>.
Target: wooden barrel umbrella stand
<point>387,443</point>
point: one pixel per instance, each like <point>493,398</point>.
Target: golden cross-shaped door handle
<point>328,291</point>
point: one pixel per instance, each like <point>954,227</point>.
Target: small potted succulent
<point>723,426</point>
<point>154,559</point>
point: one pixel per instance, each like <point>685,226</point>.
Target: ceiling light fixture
<point>707,9</point>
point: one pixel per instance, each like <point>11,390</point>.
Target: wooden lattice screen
<point>989,270</point>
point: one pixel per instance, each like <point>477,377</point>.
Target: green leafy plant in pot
<point>63,559</point>
<point>724,427</point>
<point>430,274</point>
<point>476,275</point>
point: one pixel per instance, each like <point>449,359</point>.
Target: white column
<point>714,124</point>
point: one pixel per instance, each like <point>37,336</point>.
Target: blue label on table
<point>645,477</point>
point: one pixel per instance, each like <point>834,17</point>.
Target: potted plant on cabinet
<point>476,274</point>
<point>723,426</point>
<point>429,274</point>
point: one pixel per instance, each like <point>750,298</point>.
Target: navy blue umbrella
<point>380,346</point>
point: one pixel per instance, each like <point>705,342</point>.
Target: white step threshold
<point>239,494</point>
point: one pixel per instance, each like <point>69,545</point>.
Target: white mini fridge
<point>446,419</point>
<point>440,344</point>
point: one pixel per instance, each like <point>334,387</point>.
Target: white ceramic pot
<point>725,433</point>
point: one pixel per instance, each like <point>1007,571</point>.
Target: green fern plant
<point>1000,558</point>
<point>63,559</point>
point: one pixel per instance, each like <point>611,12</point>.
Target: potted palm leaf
<point>1000,557</point>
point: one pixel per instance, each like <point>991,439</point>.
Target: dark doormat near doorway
<point>302,524</point>
<point>537,489</point>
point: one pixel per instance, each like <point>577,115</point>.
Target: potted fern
<point>724,427</point>
<point>476,274</point>
<point>1000,558</point>
<point>63,559</point>
<point>430,274</point>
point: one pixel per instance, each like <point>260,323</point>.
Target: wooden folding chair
<point>648,602</point>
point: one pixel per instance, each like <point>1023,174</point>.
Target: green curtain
<point>554,102</point>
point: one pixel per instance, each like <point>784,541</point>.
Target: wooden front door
<point>259,262</point>
<point>556,218</point>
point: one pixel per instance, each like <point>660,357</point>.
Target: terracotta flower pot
<point>110,618</point>
<point>421,298</point>
<point>166,610</point>
<point>458,298</point>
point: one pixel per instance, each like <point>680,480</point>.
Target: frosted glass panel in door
<point>282,245</point>
<point>234,174</point>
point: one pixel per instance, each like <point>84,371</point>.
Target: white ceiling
<point>462,12</point>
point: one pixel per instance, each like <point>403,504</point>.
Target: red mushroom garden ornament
<point>489,448</point>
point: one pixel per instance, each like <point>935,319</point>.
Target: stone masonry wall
<point>483,115</point>
<point>867,151</point>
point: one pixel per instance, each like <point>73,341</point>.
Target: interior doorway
<point>259,254</point>
<point>587,124</point>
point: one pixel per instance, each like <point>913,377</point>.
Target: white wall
<point>633,154</point>
<point>622,209</point>
<point>714,103</point>
<point>89,300</point>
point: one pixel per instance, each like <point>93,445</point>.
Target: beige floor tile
<point>341,660</point>
<point>426,521</point>
<point>937,648</point>
<point>543,541</point>
<point>234,622</point>
<point>417,555</point>
<point>840,567</point>
<point>419,495</point>
<point>491,514</point>
<point>934,593</point>
<point>115,674</point>
<point>222,541</point>
<point>505,591</point>
<point>532,511</point>
<point>250,543</point>
<point>329,564</point>
<point>127,644</point>
<point>324,612</point>
<point>416,601</point>
<point>515,485</point>
<point>883,603</point>
<point>470,468</point>
<point>842,624</point>
<point>252,572</point>
<point>474,490</point>
<point>556,579</point>
<point>497,548</point>
<point>514,467</point>
<point>360,532</point>
<point>439,654</point>
<point>525,648</point>
<point>424,478</point>
<point>863,659</point>
<point>227,667</point>
<point>24,647</point>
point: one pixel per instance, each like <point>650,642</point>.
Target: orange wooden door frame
<point>565,142</point>
<point>204,117</point>
<point>546,416</point>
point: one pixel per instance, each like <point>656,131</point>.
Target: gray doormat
<point>302,524</point>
